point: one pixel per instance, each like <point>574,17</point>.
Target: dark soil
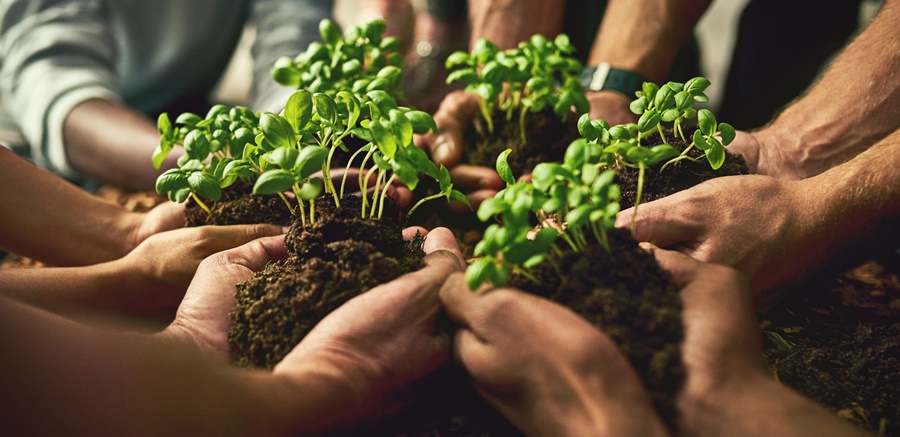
<point>677,177</point>
<point>547,138</point>
<point>238,206</point>
<point>630,298</point>
<point>338,258</point>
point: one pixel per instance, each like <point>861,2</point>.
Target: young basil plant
<point>539,74</point>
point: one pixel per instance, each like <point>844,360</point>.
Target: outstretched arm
<point>776,231</point>
<point>853,105</point>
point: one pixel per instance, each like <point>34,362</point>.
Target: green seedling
<point>572,200</point>
<point>284,152</point>
<point>536,75</point>
<point>358,61</point>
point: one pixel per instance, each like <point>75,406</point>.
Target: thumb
<point>452,118</point>
<point>747,145</point>
<point>226,237</point>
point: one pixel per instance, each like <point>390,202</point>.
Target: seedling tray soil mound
<point>624,293</point>
<point>239,206</point>
<point>338,258</point>
<point>677,177</point>
<point>547,138</point>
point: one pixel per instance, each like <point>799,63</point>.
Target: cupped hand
<point>160,269</point>
<point>381,342</point>
<point>722,350</point>
<point>203,316</point>
<point>761,226</point>
<point>545,368</point>
<point>166,216</point>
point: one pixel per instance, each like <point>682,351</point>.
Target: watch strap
<point>605,77</point>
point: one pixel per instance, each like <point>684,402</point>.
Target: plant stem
<point>662,133</point>
<point>522,125</point>
<point>200,203</point>
<point>349,163</point>
<point>384,192</point>
<point>640,192</point>
<point>312,211</point>
<point>423,200</point>
<point>288,203</point>
<point>486,113</point>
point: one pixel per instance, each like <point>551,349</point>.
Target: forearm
<point>114,144</point>
<point>643,36</point>
<point>90,381</point>
<point>853,104</point>
<point>51,220</point>
<point>509,22</point>
<point>756,406</point>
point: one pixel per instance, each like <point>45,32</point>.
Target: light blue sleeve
<point>55,55</point>
<point>283,28</point>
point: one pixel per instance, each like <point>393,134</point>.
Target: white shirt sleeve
<point>56,55</point>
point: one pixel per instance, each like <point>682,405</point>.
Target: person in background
<point>83,80</point>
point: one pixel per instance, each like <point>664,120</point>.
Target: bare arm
<point>113,143</point>
<point>641,36</point>
<point>509,22</point>
<point>853,105</point>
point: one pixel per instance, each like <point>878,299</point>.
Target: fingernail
<point>285,229</point>
<point>441,148</point>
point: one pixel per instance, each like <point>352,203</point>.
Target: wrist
<point>605,77</point>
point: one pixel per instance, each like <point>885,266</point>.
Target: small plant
<point>359,61</point>
<point>281,153</point>
<point>573,201</point>
<point>536,75</point>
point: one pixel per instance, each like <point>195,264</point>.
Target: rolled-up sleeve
<point>283,28</point>
<point>55,55</point>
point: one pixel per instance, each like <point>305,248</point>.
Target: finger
<point>402,195</point>
<point>461,303</point>
<point>471,352</point>
<point>410,232</point>
<point>443,239</point>
<point>682,267</point>
<point>661,222</point>
<point>476,177</point>
<point>257,253</point>
<point>225,237</point>
<point>452,118</point>
<point>747,145</point>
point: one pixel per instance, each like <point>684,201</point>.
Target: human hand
<point>203,316</point>
<point>160,269</point>
<point>545,368</point>
<point>764,227</point>
<point>446,147</point>
<point>379,343</point>
<point>163,217</point>
<point>610,106</point>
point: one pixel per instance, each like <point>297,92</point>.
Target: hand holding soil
<point>383,341</point>
<point>719,221</point>
<point>584,387</point>
<point>203,314</point>
<point>611,107</point>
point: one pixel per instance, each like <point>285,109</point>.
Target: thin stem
<point>422,201</point>
<point>349,163</point>
<point>287,202</point>
<point>527,275</point>
<point>326,174</point>
<point>364,179</point>
<point>640,192</point>
<point>486,113</point>
<point>200,202</point>
<point>378,181</point>
<point>384,193</point>
<point>312,211</point>
<point>522,125</point>
<point>662,133</point>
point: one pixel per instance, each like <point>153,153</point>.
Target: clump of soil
<point>546,134</point>
<point>239,206</point>
<point>677,177</point>
<point>338,258</point>
<point>630,298</point>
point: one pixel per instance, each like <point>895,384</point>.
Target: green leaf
<point>161,152</point>
<point>639,106</point>
<point>421,121</point>
<point>700,141</point>
<point>696,86</point>
<point>683,101</point>
<point>479,272</point>
<point>310,160</point>
<point>384,139</point>
<point>579,216</point>
<point>188,119</point>
<point>503,168</point>
<point>330,32</point>
<point>276,131</point>
<point>205,185</point>
<point>215,111</point>
<point>586,129</point>
<point>405,171</point>
<point>665,98</point>
<point>466,76</point>
<point>420,159</point>
<point>715,154</point>
<point>171,180</point>
<point>669,115</point>
<point>492,72</point>
<point>401,127</point>
<point>649,89</point>
<point>390,44</point>
<point>456,58</point>
<point>575,155</point>
<point>196,145</point>
<point>374,29</point>
<point>283,157</point>
<point>165,126</point>
<point>310,190</point>
<point>298,109</point>
<point>273,182</point>
<point>727,133</point>
<point>661,153</point>
<point>325,108</point>
<point>707,122</point>
<point>458,195</point>
<point>382,100</point>
<point>648,121</point>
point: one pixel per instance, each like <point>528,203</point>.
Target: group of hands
<point>386,339</point>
